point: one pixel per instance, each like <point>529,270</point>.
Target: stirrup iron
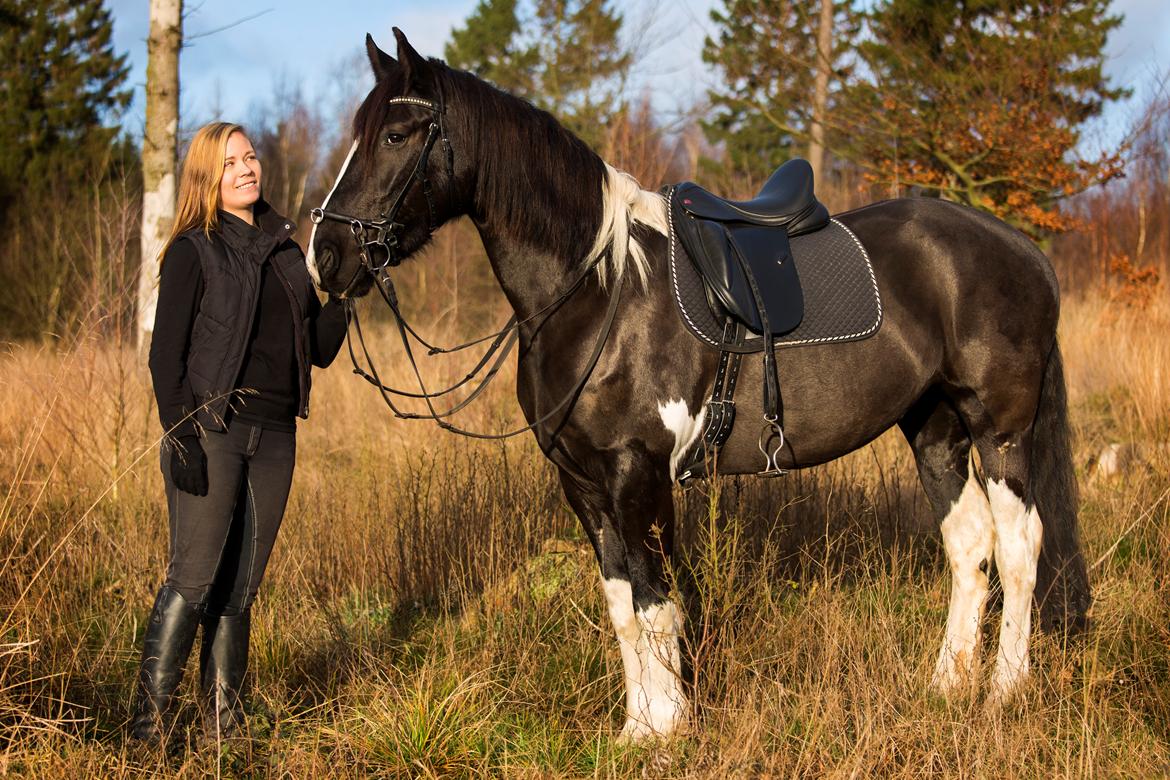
<point>771,430</point>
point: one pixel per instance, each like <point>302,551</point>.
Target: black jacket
<point>220,326</point>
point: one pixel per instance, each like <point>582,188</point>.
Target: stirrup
<point>771,430</point>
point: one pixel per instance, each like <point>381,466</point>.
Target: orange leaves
<point>989,111</point>
<point>1136,286</point>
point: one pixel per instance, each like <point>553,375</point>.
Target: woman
<point>237,326</point>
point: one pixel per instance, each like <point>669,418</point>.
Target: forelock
<point>371,114</point>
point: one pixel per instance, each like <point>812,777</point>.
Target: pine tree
<point>489,46</point>
<point>983,102</point>
<point>767,55</point>
<point>63,170</point>
<point>61,87</point>
<point>562,55</point>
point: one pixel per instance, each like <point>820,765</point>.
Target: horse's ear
<point>418,70</point>
<point>382,63</point>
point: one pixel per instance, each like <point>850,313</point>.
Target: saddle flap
<point>721,253</point>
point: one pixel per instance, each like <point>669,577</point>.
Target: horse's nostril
<point>326,262</point>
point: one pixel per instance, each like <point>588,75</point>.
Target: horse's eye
<point>393,139</point>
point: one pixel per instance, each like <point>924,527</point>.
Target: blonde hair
<point>199,199</point>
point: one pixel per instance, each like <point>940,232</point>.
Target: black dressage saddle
<point>741,248</point>
<point>742,253</point>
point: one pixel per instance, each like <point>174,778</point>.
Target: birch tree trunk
<point>159,150</point>
<point>824,63</point>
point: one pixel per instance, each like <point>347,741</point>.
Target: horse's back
<point>962,267</point>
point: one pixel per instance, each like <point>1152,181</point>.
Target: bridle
<point>382,235</point>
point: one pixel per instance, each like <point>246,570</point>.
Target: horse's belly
<point>835,399</point>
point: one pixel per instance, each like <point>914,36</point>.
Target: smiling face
<point>239,187</point>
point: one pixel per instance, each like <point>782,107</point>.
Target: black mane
<point>539,182</point>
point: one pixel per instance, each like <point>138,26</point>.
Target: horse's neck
<point>530,279</point>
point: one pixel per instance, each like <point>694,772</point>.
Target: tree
<point>159,151</point>
<point>767,53</point>
<point>65,176</point>
<point>982,102</point>
<point>289,147</point>
<point>61,90</point>
<point>571,63</point>
<point>822,69</point>
<point>490,46</point>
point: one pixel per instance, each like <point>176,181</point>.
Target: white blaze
<point>311,259</point>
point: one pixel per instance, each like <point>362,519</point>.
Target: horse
<point>965,360</point>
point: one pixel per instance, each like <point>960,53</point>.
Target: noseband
<point>381,235</point>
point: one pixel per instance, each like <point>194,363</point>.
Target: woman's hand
<point>189,466</point>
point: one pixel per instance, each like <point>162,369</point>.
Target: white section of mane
<point>623,202</point>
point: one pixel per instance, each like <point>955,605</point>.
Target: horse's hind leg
<point>630,526</point>
<point>1018,533</point>
<point>942,449</point>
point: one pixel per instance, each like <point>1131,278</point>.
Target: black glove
<point>189,466</point>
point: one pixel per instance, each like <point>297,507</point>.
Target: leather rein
<point>381,236</point>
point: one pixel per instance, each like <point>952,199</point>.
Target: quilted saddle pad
<point>841,297</point>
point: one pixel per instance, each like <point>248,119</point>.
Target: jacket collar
<point>270,222</point>
<point>259,239</point>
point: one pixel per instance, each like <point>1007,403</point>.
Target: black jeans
<point>220,542</point>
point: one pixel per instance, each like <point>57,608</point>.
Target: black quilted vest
<point>231,289</point>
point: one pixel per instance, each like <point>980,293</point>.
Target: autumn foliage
<point>984,104</point>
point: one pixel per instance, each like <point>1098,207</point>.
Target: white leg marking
<point>311,259</point>
<point>620,601</point>
<point>677,419</point>
<point>662,707</point>
<point>1017,549</point>
<point>969,538</point>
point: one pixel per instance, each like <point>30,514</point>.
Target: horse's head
<point>398,183</point>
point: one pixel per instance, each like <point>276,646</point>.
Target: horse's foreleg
<point>645,518</point>
<point>631,536</point>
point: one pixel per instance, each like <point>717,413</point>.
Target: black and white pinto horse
<point>966,357</point>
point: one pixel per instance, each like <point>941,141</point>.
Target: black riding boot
<point>168,640</point>
<point>222,663</point>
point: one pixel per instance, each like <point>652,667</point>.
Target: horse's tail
<point>1062,579</point>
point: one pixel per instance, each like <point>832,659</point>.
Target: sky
<point>316,47</point>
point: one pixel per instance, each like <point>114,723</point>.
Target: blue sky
<point>314,46</point>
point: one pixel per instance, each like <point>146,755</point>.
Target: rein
<point>386,289</point>
<point>382,234</point>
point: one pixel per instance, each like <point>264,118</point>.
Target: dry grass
<point>431,609</point>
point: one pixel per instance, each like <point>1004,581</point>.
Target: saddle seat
<point>728,240</point>
<point>786,200</point>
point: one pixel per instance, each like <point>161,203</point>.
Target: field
<point>432,609</point>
